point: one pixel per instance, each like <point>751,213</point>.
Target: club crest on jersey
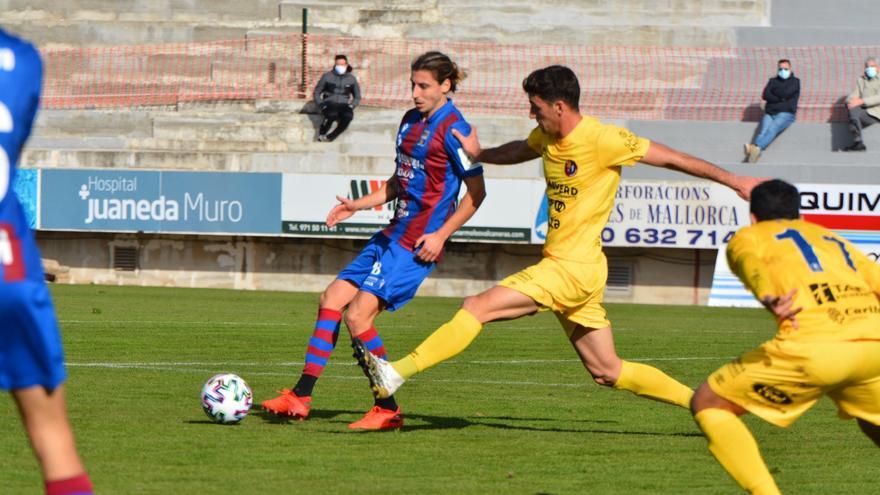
<point>424,137</point>
<point>571,168</point>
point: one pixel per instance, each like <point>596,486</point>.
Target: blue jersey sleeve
<point>461,163</point>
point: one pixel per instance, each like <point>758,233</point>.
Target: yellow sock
<point>736,450</point>
<point>652,383</point>
<point>447,341</point>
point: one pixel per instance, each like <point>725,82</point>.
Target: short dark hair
<point>441,66</point>
<point>784,61</point>
<point>554,83</point>
<point>340,56</point>
<point>775,200</point>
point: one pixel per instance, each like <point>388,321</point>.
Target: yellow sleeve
<point>536,140</point>
<point>745,261</point>
<point>619,146</point>
<point>867,269</point>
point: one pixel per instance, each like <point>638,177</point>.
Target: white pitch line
<point>333,377</point>
<point>155,364</point>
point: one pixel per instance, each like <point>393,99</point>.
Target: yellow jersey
<point>837,285</point>
<point>582,171</point>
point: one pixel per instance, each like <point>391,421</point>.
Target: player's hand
<point>470,143</point>
<point>783,308</point>
<point>340,212</point>
<point>744,185</point>
<point>429,246</point>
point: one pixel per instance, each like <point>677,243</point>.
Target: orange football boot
<point>288,404</point>
<point>379,419</point>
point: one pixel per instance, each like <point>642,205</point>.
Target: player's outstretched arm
<point>347,207</point>
<point>506,154</point>
<point>661,155</point>
<point>430,245</point>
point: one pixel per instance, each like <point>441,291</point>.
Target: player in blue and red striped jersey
<point>431,167</point>
<point>31,357</point>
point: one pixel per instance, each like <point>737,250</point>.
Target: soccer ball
<point>226,398</point>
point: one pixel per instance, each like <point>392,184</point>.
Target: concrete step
<point>727,138</point>
<point>202,11</point>
<point>805,14</point>
<point>817,35</point>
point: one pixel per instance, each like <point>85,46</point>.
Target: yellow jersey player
<point>582,161</point>
<point>823,292</point>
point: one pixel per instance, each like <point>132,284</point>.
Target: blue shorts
<point>30,343</point>
<point>387,270</point>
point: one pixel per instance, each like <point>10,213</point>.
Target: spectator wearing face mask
<point>781,96</point>
<point>337,94</point>
<point>864,104</point>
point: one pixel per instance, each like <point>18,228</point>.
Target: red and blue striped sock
<point>321,345</point>
<point>374,344</point>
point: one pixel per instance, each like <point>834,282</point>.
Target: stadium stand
<point>688,74</point>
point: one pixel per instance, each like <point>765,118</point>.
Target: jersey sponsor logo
<point>836,316</point>
<point>556,205</point>
<point>630,140</point>
<point>863,311</point>
<point>571,168</point>
<point>562,189</point>
<point>424,137</point>
<point>822,293</point>
<point>771,394</point>
<point>408,162</point>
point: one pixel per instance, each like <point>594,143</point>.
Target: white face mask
<point>784,73</point>
<point>871,72</point>
<point>340,69</point>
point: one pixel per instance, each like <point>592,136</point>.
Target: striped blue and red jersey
<point>430,168</point>
<point>21,73</point>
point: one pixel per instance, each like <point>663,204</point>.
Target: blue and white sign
<point>151,201</point>
<point>25,187</point>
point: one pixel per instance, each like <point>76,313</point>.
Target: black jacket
<point>782,95</point>
<point>333,88</point>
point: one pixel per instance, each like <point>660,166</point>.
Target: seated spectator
<point>337,94</point>
<point>781,96</point>
<point>864,104</point>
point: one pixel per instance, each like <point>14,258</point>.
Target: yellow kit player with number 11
<point>582,161</point>
<point>823,292</point>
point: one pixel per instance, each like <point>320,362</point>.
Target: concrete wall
<point>667,276</point>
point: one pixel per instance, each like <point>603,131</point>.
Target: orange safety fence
<point>652,83</point>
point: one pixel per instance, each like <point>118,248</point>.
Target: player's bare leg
<point>871,430</point>
<point>595,347</point>
<point>731,442</point>
<point>338,295</point>
<point>497,303</point>
<point>45,418</point>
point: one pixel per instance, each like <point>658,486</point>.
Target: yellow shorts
<point>571,290</point>
<point>780,380</point>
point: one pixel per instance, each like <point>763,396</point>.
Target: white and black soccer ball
<point>226,398</point>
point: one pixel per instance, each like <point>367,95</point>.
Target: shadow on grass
<point>432,422</point>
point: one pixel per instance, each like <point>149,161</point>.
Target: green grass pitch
<point>514,413</point>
